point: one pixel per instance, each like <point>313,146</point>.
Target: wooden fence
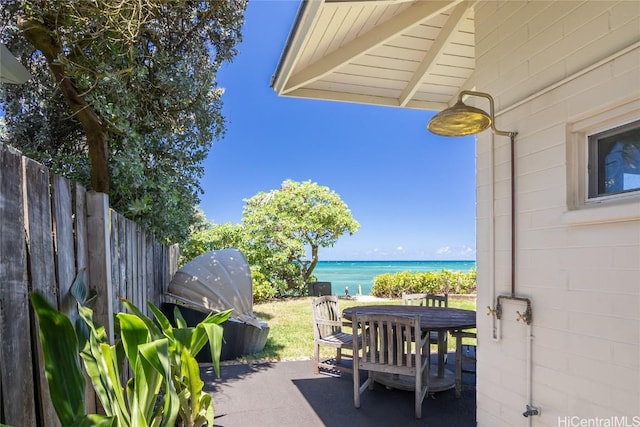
<point>51,228</point>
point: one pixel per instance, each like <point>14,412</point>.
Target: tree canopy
<point>123,97</point>
<point>282,224</point>
<point>281,233</point>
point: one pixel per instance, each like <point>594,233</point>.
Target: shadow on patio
<point>289,394</point>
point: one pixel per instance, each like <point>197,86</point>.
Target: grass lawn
<point>291,332</point>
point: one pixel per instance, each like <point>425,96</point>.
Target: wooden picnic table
<point>439,319</point>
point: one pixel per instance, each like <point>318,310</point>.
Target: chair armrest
<point>464,334</point>
<point>328,322</point>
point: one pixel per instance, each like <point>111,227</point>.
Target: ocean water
<point>353,273</point>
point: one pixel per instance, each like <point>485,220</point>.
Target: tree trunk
<point>42,39</point>
<point>314,260</point>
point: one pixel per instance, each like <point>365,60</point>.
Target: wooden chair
<point>465,357</point>
<point>426,299</point>
<point>391,345</point>
<point>327,331</point>
<point>431,300</point>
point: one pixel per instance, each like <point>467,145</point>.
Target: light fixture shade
<point>11,71</point>
<point>459,120</point>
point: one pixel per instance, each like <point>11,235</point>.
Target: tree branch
<point>42,39</point>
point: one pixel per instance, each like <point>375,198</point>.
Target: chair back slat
<point>389,343</point>
<point>326,316</point>
<point>426,299</point>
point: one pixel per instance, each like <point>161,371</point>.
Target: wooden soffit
<point>414,54</point>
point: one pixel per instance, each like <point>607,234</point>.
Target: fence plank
<point>115,277</point>
<point>16,374</point>
<point>63,240</point>
<point>157,264</point>
<point>100,259</point>
<point>148,271</point>
<point>174,257</point>
<point>142,269</point>
<point>129,260</point>
<point>80,216</point>
<point>82,263</point>
<point>122,256</point>
<point>38,226</point>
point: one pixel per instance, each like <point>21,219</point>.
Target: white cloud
<point>467,250</point>
<point>463,252</point>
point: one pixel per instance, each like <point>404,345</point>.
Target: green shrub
<point>166,388</point>
<point>392,285</point>
<point>263,290</point>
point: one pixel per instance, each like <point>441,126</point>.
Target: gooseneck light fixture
<point>462,119</point>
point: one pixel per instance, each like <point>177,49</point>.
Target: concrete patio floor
<point>289,394</point>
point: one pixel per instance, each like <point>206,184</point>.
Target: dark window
<point>614,161</point>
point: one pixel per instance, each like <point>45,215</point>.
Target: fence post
<point>98,232</point>
<point>16,370</point>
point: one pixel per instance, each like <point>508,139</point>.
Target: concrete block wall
<point>558,71</point>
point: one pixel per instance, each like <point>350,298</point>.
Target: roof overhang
<point>404,53</point>
<point>11,71</point>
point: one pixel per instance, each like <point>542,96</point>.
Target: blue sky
<point>412,192</point>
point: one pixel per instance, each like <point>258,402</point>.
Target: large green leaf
<point>200,336</point>
<point>60,348</point>
<point>133,332</point>
<point>155,332</point>
<point>148,380</point>
<point>193,382</point>
<point>157,355</point>
<point>94,373</point>
<point>215,334</point>
<point>80,291</point>
<point>162,320</point>
<point>110,375</point>
<point>177,315</point>
<point>79,288</point>
<point>183,337</point>
<point>207,403</point>
<point>95,420</point>
<point>96,330</point>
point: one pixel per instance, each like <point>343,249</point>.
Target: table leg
<point>442,350</point>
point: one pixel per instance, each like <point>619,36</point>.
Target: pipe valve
<point>531,410</point>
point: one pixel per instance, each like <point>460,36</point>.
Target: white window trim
<point>612,208</point>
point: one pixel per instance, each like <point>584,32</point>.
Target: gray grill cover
<point>216,281</point>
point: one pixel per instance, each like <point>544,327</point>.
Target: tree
<point>282,225</point>
<point>208,237</point>
<point>123,96</point>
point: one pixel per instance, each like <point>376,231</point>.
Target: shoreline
<point>374,298</point>
<point>353,276</point>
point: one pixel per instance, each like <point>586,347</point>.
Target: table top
<point>431,318</point>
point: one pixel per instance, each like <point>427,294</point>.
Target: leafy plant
<point>392,285</point>
<point>165,389</point>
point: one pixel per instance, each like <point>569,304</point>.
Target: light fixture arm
<point>491,110</point>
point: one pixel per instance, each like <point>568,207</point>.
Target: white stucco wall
<point>558,70</point>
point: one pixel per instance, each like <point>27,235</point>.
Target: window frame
<point>580,209</point>
<point>593,169</point>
